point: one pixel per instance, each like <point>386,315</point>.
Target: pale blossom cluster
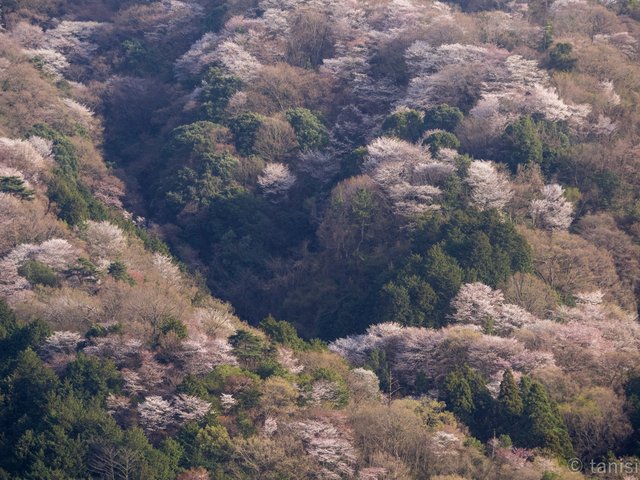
<point>227,401</point>
<point>490,188</point>
<point>364,385</point>
<point>424,59</point>
<point>56,253</point>
<point>198,57</point>
<point>238,61</point>
<point>270,426</point>
<point>275,181</point>
<point>444,444</point>
<point>608,92</point>
<point>407,173</point>
<point>43,146</point>
<point>60,349</point>
<point>623,41</point>
<point>105,241</point>
<point>148,377</point>
<point>81,113</point>
<point>216,320</point>
<point>604,126</point>
<point>287,359</point>
<point>166,18</point>
<point>157,414</point>
<point>552,211</point>
<point>166,267</point>
<point>73,39</point>
<point>435,353</point>
<point>53,62</point>
<point>505,86</point>
<point>329,446</point>
<point>479,304</point>
<point>202,356</point>
<point>596,342</point>
<point>31,157</point>
<point>125,352</point>
<point>323,392</point>
<point>239,47</point>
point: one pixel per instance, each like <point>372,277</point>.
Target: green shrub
<point>310,131</point>
<point>404,124</point>
<point>245,129</point>
<point>38,273</point>
<point>440,140</point>
<point>442,117</point>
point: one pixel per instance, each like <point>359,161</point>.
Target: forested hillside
<point>321,239</point>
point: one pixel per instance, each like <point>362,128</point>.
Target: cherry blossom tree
<point>489,187</point>
<point>163,21</point>
<point>53,63</point>
<point>105,241</point>
<point>73,39</point>
<point>43,146</point>
<point>363,385</point>
<point>270,426</point>
<point>435,353</point>
<point>201,356</point>
<point>324,392</point>
<point>276,180</point>
<point>156,414</point>
<point>238,61</point>
<point>60,342</point>
<point>32,158</point>
<point>56,253</point>
<point>151,373</point>
<point>478,304</point>
<point>110,191</point>
<point>498,86</point>
<point>198,57</point>
<point>328,446</point>
<point>403,171</point>
<point>132,382</point>
<point>188,408</point>
<point>623,41</point>
<point>424,59</point>
<point>125,352</point>
<point>552,211</point>
<point>227,401</point>
<point>215,320</point>
<point>287,359</point>
<point>167,269</point>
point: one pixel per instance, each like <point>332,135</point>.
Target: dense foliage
<point>427,213</point>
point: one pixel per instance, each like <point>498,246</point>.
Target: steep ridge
<point>320,162</point>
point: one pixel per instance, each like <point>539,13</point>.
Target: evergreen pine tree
<point>458,395</point>
<point>16,186</point>
<point>542,425</point>
<point>467,396</point>
<point>509,405</point>
<point>509,399</point>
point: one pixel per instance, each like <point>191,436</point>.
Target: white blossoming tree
<point>552,211</point>
<point>276,180</point>
<point>489,187</point>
